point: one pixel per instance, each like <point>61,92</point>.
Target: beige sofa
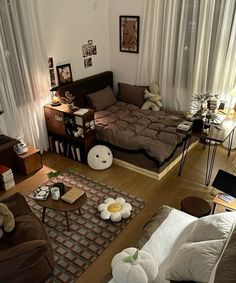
<point>188,249</point>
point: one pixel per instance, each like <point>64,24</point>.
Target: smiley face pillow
<point>100,157</point>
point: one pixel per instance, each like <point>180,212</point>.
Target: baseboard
<point>149,173</point>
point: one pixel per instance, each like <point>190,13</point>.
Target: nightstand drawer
<point>55,121</point>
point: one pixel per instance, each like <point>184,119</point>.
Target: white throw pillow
<point>213,227</point>
<point>195,261</point>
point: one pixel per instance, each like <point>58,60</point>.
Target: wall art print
<point>89,49</point>
<point>64,74</point>
<point>51,72</point>
<point>129,34</point>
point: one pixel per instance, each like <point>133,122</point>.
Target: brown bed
<point>155,157</point>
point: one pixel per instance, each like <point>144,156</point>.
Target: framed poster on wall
<point>64,74</point>
<point>129,34</point>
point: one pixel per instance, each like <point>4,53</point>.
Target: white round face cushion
<point>100,157</point>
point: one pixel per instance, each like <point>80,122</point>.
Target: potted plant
<point>68,100</point>
<point>200,103</point>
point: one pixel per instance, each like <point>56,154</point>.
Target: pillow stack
<point>196,260</point>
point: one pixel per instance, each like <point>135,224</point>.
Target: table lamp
<point>55,100</point>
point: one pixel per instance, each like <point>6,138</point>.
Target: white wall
<point>66,25</point>
<point>123,65</point>
<point>3,129</point>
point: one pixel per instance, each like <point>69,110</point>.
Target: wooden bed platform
<point>150,173</point>
<point>136,161</point>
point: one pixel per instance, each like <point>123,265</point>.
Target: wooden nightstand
<point>30,161</point>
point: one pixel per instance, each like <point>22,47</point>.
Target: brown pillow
<point>132,94</point>
<point>102,99</point>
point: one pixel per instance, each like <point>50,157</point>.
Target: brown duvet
<point>128,127</point>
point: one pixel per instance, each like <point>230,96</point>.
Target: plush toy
<point>153,98</point>
<point>100,157</point>
<point>79,132</point>
<point>133,266</point>
<point>7,221</point>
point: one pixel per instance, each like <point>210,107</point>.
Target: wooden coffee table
<point>62,206</point>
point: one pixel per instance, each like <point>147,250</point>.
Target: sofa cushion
<point>198,258</point>
<point>195,261</point>
<point>212,227</point>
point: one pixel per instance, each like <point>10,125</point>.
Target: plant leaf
<point>135,256</point>
<point>131,258</point>
<point>53,174</point>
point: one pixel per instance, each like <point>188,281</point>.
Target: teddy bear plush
<point>153,98</point>
<point>7,221</point>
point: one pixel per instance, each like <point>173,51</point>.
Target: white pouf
<point>100,157</point>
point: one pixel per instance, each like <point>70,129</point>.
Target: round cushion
<point>114,209</point>
<point>134,266</point>
<point>100,157</point>
<point>195,206</point>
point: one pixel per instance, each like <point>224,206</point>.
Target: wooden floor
<point>169,190</point>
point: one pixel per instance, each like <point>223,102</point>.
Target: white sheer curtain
<point>23,71</point>
<point>188,46</point>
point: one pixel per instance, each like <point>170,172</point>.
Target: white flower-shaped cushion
<point>114,209</point>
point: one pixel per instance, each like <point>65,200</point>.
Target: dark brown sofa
<point>25,253</point>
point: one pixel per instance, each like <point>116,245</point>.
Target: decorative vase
<point>70,106</point>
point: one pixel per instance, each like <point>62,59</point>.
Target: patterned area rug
<point>74,251</point>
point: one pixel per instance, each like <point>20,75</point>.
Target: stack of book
<point>185,126</point>
<point>6,177</point>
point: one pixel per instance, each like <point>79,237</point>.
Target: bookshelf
<point>70,134</point>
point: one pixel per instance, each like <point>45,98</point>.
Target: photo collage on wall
<point>88,50</point>
<point>51,72</point>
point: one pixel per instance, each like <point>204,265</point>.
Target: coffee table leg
<point>44,212</point>
<point>79,211</point>
<point>67,221</point>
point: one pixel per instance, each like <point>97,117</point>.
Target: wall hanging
<point>129,34</point>
<point>64,74</point>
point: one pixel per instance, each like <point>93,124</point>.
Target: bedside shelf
<point>61,126</point>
